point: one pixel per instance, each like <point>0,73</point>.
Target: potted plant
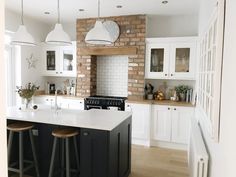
<point>181,91</point>
<point>27,93</point>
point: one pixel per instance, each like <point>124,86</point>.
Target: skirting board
<point>168,145</point>
<point>141,142</point>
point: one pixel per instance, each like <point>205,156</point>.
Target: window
<point>10,71</point>
<point>209,76</point>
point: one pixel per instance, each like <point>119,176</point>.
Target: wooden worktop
<point>163,102</point>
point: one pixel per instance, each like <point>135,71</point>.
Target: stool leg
<point>62,156</point>
<point>67,158</point>
<point>53,157</point>
<point>11,133</point>
<point>34,153</point>
<point>76,152</point>
<point>21,154</point>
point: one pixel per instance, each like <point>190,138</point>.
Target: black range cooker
<point>105,102</point>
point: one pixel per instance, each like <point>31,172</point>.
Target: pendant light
<point>58,36</point>
<point>22,36</point>
<point>98,35</point>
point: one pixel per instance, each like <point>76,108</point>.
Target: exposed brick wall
<point>132,33</point>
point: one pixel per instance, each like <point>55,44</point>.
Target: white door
<point>68,60</point>
<point>140,119</point>
<point>181,117</point>
<point>157,61</point>
<point>183,60</point>
<point>51,61</point>
<point>162,123</point>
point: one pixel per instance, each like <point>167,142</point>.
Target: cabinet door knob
<point>172,74</point>
<point>175,109</point>
<point>165,74</point>
<point>56,72</point>
<point>60,72</point>
<point>168,108</point>
<point>85,133</point>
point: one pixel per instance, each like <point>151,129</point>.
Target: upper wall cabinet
<point>59,60</point>
<point>171,58</point>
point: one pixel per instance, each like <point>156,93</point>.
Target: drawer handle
<point>172,74</point>
<point>85,133</point>
<point>165,74</point>
<point>56,72</point>
<point>175,109</point>
<point>168,108</point>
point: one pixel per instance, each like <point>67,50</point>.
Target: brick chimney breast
<point>132,34</point>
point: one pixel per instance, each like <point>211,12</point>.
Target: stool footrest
<point>29,166</point>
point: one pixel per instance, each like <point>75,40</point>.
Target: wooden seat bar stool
<point>21,127</point>
<point>64,134</point>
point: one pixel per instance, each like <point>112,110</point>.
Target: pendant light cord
<point>58,11</point>
<point>98,9</point>
<point>22,12</point>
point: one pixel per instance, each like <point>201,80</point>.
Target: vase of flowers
<point>27,93</point>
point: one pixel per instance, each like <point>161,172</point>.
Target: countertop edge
<point>164,102</point>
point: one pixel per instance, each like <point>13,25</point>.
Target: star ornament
<point>31,61</point>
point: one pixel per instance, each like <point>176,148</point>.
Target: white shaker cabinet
<point>64,103</point>
<point>141,114</point>
<point>183,60</point>
<point>59,60</point>
<point>171,58</point>
<point>157,60</point>
<point>181,117</point>
<point>171,123</point>
<point>161,123</point>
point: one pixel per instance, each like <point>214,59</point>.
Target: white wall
<point>157,26</point>
<point>223,154</point>
<point>205,12</point>
<point>172,26</point>
<point>31,74</point>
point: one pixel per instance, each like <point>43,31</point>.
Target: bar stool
<point>64,135</point>
<point>21,127</point>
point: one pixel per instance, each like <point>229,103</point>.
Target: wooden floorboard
<point>158,162</point>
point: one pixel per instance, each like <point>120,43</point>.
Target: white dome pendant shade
<point>58,36</point>
<point>22,36</point>
<point>98,35</point>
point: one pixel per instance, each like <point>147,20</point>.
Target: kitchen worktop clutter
<point>183,93</point>
<point>67,87</point>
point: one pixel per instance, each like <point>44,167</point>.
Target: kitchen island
<point>104,139</point>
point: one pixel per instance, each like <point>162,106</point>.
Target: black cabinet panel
<point>93,153</point>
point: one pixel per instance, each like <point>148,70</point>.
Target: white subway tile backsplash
<point>112,75</point>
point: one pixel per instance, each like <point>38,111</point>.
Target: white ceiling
<point>70,8</point>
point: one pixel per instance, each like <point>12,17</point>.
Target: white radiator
<point>197,154</point>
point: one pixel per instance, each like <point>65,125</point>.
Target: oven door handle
<point>91,107</point>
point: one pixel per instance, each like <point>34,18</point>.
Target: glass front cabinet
<point>157,63</point>
<point>171,58</point>
<point>59,60</point>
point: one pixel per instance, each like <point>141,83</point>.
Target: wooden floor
<point>158,162</point>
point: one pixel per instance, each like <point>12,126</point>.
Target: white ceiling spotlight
<point>22,36</point>
<point>58,36</point>
<point>100,34</point>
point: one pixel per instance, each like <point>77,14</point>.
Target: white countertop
<point>93,119</point>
